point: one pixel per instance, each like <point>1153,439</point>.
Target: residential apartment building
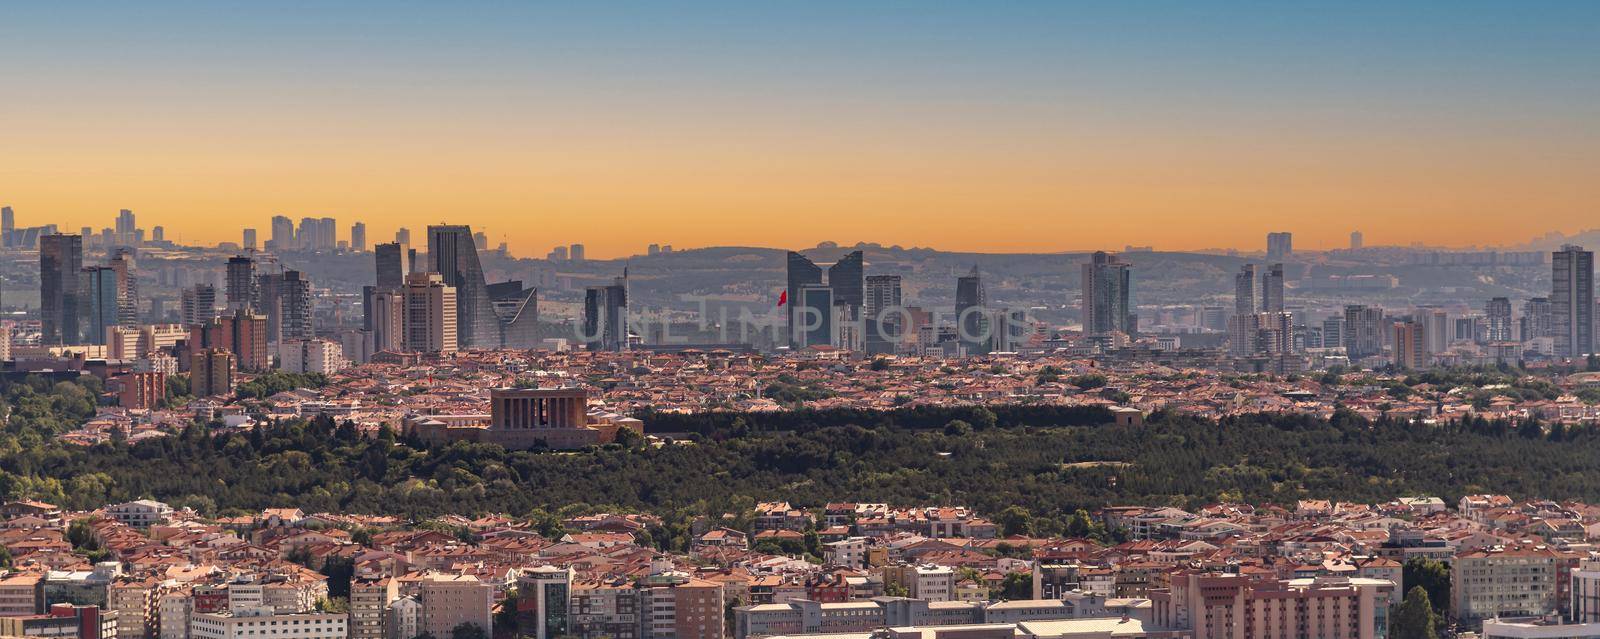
<point>1227,606</point>
<point>451,600</point>
<point>1504,582</point>
<point>264,622</point>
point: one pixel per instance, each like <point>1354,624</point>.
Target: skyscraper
<point>199,304</point>
<point>403,236</point>
<point>1408,345</point>
<point>1356,240</point>
<point>8,224</point>
<point>605,315</point>
<point>880,312</point>
<point>576,252</point>
<point>845,278</point>
<point>1107,296</point>
<point>269,303</point>
<point>1280,245</point>
<point>972,320</point>
<point>801,272</point>
<point>249,240</point>
<point>1333,332</point>
<point>1436,329</point>
<point>1363,331</point>
<point>127,228</point>
<point>430,314</point>
<point>392,265</point>
<point>60,260</point>
<point>241,291</point>
<point>294,299</point>
<point>1272,289</point>
<point>282,238</point>
<point>1498,313</point>
<point>1244,290</point>
<point>818,325</point>
<point>127,287</point>
<point>386,320</point>
<point>358,236</point>
<point>99,286</point>
<point>1572,301</point>
<point>1536,320</point>
<point>452,254</point>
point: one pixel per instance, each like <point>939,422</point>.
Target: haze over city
<point>1026,320</point>
<point>1063,126</point>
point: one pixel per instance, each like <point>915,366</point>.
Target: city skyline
<point>1202,125</point>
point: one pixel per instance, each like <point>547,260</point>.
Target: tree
<point>1016,586</point>
<point>1433,576</point>
<point>1414,619</point>
<point>468,630</point>
<point>1015,520</point>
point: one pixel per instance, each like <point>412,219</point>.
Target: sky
<point>982,126</point>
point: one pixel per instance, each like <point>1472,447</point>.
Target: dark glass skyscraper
<point>970,314</point>
<point>60,260</point>
<point>880,313</point>
<point>392,265</point>
<point>605,316</point>
<point>845,277</point>
<point>1572,301</point>
<point>1244,290</point>
<point>453,255</point>
<point>241,283</point>
<point>1272,289</point>
<point>99,286</point>
<point>802,272</point>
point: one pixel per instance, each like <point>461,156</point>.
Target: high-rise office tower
<point>801,272</point>
<point>99,286</point>
<point>1356,240</point>
<point>557,254</point>
<point>1244,290</point>
<point>158,234</point>
<point>1272,289</point>
<point>386,320</point>
<point>392,265</point>
<point>199,304</point>
<point>845,278</point>
<point>270,304</point>
<point>452,254</point>
<point>1107,296</point>
<point>241,291</point>
<point>126,228</point>
<point>1572,301</point>
<point>403,236</point>
<point>1333,332</point>
<point>1536,320</point>
<point>1497,311</point>
<point>127,287</point>
<point>1280,245</point>
<point>1363,331</point>
<point>358,236</point>
<point>430,314</point>
<point>605,315</point>
<point>1408,340</point>
<point>60,260</point>
<point>575,252</point>
<point>817,317</point>
<point>972,320</point>
<point>881,314</point>
<point>1436,330</point>
<point>8,224</point>
<point>294,298</point>
<point>480,240</point>
<point>249,240</point>
<point>282,238</point>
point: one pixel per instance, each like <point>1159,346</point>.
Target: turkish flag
<point>783,298</point>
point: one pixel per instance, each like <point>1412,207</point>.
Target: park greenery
<point>1034,470</point>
